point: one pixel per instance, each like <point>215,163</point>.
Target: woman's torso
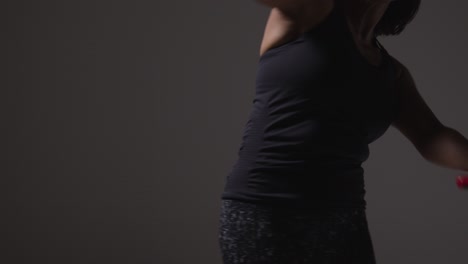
<point>318,104</point>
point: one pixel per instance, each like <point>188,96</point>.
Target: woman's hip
<point>257,233</point>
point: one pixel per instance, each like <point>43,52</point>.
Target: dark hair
<point>397,16</point>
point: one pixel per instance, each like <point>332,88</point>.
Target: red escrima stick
<point>462,181</point>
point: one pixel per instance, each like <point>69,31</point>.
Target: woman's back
<point>318,104</point>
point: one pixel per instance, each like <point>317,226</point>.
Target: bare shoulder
<point>289,19</point>
<point>404,79</point>
<point>414,118</point>
<point>405,83</point>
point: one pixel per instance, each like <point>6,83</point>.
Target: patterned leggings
<point>260,234</point>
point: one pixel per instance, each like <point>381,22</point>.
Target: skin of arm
<point>288,19</point>
<point>437,143</point>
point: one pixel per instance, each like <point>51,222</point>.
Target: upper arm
<point>415,120</point>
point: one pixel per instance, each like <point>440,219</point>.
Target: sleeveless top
<point>318,104</point>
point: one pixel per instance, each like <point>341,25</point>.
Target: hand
<point>462,181</point>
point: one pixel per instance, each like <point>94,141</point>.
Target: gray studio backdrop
<point>124,117</point>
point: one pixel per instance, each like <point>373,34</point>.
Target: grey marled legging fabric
<point>260,234</point>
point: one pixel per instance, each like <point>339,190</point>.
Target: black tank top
<point>318,104</point>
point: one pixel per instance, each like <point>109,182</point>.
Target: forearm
<point>447,148</point>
